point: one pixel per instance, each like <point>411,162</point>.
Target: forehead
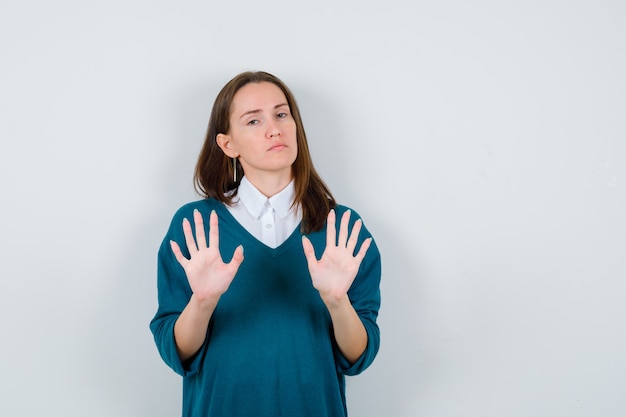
<point>257,96</point>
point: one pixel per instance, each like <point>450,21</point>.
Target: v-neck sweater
<point>270,349</point>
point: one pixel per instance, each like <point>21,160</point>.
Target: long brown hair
<point>213,176</point>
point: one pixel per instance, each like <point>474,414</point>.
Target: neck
<point>268,184</point>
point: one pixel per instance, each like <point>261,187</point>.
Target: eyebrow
<point>259,110</point>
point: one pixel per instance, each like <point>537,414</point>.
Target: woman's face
<point>262,131</point>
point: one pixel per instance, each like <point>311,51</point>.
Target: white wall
<point>483,143</point>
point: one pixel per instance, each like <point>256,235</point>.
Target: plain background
<point>484,144</point>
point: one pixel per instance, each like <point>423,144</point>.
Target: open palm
<point>206,272</point>
<point>333,274</point>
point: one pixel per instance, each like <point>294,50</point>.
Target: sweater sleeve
<point>174,293</point>
<point>364,294</point>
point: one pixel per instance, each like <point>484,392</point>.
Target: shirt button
<point>268,226</point>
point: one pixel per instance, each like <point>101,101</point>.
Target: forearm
<point>191,327</point>
<point>350,334</point>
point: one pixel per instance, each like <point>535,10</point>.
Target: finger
<point>178,254</point>
<point>354,235</point>
<point>200,235</point>
<point>214,236</point>
<point>189,240</point>
<point>363,250</point>
<point>331,233</point>
<point>309,252</point>
<point>237,258</point>
<point>343,229</point>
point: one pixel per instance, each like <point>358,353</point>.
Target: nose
<point>272,130</point>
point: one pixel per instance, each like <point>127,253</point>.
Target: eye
<point>282,115</point>
<point>253,122</point>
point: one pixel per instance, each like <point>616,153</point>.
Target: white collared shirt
<point>271,220</point>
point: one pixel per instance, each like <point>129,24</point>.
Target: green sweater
<point>270,350</point>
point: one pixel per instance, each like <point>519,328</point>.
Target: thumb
<point>309,252</point>
<point>178,253</point>
<point>237,257</point>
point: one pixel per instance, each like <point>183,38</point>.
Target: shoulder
<point>204,206</point>
<point>341,209</point>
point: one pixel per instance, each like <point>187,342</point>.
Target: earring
<point>234,170</point>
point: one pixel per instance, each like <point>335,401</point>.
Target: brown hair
<point>213,176</point>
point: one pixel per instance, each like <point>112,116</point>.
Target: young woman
<point>268,290</point>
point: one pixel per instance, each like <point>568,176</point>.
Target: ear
<point>226,145</point>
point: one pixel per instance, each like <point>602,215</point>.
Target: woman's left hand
<point>334,273</point>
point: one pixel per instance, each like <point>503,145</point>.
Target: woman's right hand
<point>208,275</point>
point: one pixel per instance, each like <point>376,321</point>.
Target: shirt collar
<point>255,201</point>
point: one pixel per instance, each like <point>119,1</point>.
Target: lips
<point>277,147</point>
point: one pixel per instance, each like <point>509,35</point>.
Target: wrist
<point>334,303</point>
<point>207,303</point>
